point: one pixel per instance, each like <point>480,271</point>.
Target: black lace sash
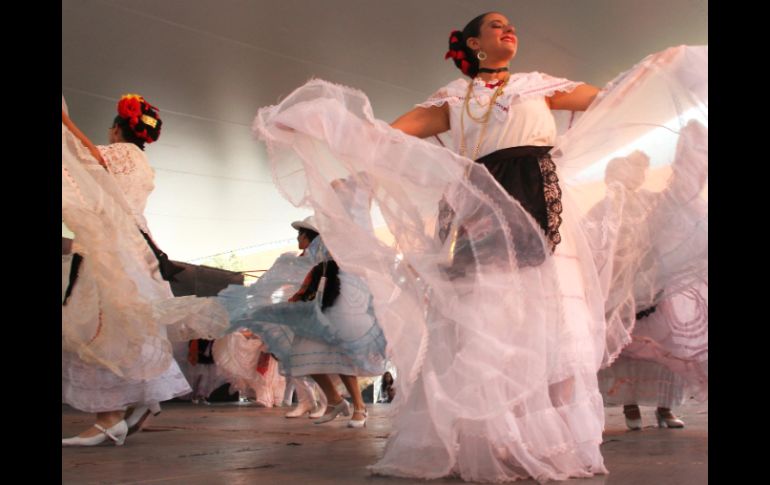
<point>528,174</point>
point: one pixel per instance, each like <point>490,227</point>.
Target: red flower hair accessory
<point>456,52</point>
<point>143,135</point>
<point>130,108</point>
<point>465,67</point>
<point>133,107</point>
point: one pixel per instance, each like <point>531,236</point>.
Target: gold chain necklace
<point>483,120</point>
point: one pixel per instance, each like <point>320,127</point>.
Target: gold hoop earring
<point>481,55</point>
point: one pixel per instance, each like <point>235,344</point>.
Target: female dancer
<point>490,297</point>
<point>325,329</point>
<point>116,356</point>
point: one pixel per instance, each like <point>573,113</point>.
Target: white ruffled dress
<point>498,365</point>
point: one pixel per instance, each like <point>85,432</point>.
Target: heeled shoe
<point>117,433</point>
<point>300,410</point>
<point>354,423</point>
<point>136,418</point>
<point>342,407</point>
<point>666,419</point>
<point>633,417</point>
<point>318,411</point>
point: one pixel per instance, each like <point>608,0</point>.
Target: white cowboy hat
<point>306,223</point>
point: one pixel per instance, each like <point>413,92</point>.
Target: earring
<point>481,55</point>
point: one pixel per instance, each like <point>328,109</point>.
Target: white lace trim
<point>521,87</point>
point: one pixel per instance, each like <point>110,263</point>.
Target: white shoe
<point>666,419</point>
<point>136,418</point>
<point>117,433</point>
<point>318,411</point>
<point>342,407</point>
<point>353,423</point>
<point>300,410</point>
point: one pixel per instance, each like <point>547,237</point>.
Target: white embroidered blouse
<point>520,116</point>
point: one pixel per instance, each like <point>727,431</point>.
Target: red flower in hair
<point>464,67</point>
<point>130,107</point>
<point>454,54</point>
<point>143,135</point>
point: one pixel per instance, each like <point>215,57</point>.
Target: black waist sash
<point>168,270</point>
<point>517,169</point>
<point>528,174</point>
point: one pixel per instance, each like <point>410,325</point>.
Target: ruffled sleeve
<point>537,84</point>
<point>453,93</point>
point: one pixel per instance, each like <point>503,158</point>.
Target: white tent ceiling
<point>210,64</point>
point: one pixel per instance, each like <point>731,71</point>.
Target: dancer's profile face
<point>497,37</point>
<point>302,241</point>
